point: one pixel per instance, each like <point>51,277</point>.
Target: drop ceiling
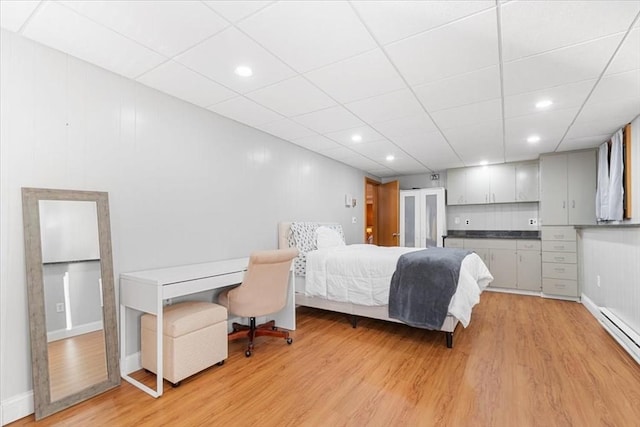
<point>435,84</point>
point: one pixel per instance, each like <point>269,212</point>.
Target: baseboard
<point>591,306</point>
<point>513,291</point>
<point>17,407</point>
<point>131,363</point>
<point>79,330</point>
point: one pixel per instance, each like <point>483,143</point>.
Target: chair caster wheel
<point>289,341</point>
<point>174,385</point>
<point>220,363</point>
<point>247,353</point>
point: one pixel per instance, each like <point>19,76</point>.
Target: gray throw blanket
<point>423,284</point>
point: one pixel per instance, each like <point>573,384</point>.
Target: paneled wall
<point>185,185</point>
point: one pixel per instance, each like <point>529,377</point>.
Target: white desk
<point>146,290</point>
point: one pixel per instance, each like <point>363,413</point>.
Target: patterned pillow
<point>303,237</point>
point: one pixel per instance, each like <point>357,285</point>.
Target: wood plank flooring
<point>523,361</point>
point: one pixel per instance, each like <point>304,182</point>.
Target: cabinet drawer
<point>490,243</point>
<point>558,233</point>
<point>529,245</point>
<point>567,288</point>
<point>559,271</point>
<point>454,243</point>
<point>561,257</point>
<point>557,246</point>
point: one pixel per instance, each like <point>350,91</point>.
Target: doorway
<point>382,206</point>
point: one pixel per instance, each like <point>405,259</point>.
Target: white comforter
<point>361,274</point>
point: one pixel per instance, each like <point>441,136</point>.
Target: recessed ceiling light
<point>484,163</point>
<point>356,138</point>
<point>533,139</point>
<point>244,71</point>
<point>544,104</point>
<point>390,157</point>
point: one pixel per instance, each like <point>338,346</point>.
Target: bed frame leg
<point>449,336</point>
<point>354,321</point>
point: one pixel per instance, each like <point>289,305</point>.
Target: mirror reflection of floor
<point>76,363</point>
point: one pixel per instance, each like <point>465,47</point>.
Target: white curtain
<point>602,192</point>
<point>616,169</point>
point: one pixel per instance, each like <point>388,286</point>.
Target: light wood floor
<point>523,361</point>
<point>76,363</point>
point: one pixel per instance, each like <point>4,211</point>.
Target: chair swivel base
<point>252,331</point>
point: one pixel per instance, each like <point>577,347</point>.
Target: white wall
<point>185,185</point>
<point>496,216</point>
<point>614,254</point>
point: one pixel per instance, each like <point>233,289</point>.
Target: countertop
<point>494,234</point>
<point>609,225</point>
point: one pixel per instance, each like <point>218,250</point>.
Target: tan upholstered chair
<point>263,291</point>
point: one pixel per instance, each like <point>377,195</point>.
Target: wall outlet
<point>598,280</point>
<point>60,307</point>
<point>533,221</point>
<point>353,220</point>
<point>456,220</point>
<point>467,221</point>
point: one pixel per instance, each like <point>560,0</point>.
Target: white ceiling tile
<point>477,142</point>
<point>414,125</point>
<point>13,14</point>
<point>218,57</point>
<point>463,46</point>
<point>486,111</point>
<point>286,129</point>
<point>179,81</point>
<point>316,143</point>
<point>376,150</point>
<point>361,76</point>
<point>628,57</point>
<point>59,27</point>
<point>590,128</point>
<point>431,150</point>
<point>468,88</point>
<point>393,20</point>
<point>386,107</point>
<point>292,97</point>
<point>234,10</point>
<point>329,120</point>
<point>548,125</point>
<point>382,172</point>
<point>366,134</point>
<point>245,111</point>
<point>338,153</point>
<point>158,25</point>
<point>363,163</point>
<point>617,86</point>
<point>568,65</point>
<point>309,34</point>
<point>584,142</point>
<point>621,111</point>
<point>563,97</point>
<point>533,27</point>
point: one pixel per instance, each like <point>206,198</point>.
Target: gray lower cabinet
<point>559,262</point>
<point>514,264</point>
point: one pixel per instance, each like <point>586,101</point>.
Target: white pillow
<point>328,238</point>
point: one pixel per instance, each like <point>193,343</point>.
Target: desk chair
<point>263,291</point>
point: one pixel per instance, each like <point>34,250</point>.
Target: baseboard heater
<point>626,337</point>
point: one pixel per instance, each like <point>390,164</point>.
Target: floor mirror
<point>71,296</point>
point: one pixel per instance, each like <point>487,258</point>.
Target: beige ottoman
<point>195,337</point>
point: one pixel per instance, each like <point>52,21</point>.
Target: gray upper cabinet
<point>568,188</point>
<point>527,182</point>
<point>505,183</point>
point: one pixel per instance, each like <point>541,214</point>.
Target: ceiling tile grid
<point>437,84</point>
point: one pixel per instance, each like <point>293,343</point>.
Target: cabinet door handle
<point>564,204</point>
<point>520,258</point>
<point>559,258</point>
<point>560,270</point>
<point>558,247</point>
<point>494,197</point>
<point>573,204</point>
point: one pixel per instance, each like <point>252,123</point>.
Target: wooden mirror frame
<point>35,292</point>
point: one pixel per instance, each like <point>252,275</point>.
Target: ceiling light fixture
<point>484,162</point>
<point>533,139</point>
<point>356,138</point>
<point>390,157</point>
<point>544,104</point>
<point>244,71</point>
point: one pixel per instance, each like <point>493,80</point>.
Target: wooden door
<point>389,214</point>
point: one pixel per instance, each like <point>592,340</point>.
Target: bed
<point>356,279</point>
